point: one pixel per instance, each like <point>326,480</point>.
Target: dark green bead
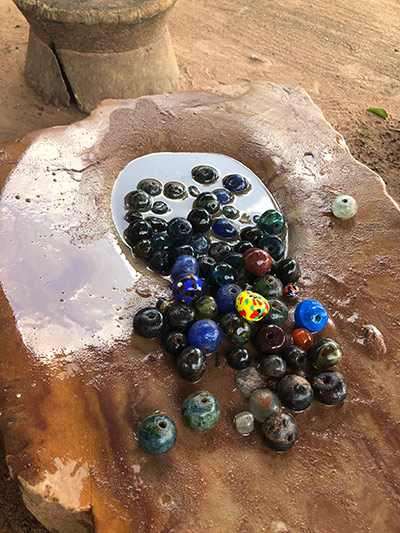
<point>200,411</point>
<point>138,200</point>
<point>206,307</point>
<point>236,328</point>
<point>151,186</point>
<point>204,174</point>
<point>268,286</point>
<point>208,201</point>
<point>273,366</point>
<point>157,434</point>
<point>230,211</point>
<point>324,354</point>
<point>160,241</point>
<point>133,216</point>
<point>192,363</point>
<point>158,224</point>
<point>143,249</point>
<point>174,190</point>
<point>272,221</point>
<point>278,312</point>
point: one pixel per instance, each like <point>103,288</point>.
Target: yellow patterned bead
<point>252,306</point>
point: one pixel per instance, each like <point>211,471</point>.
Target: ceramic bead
<point>226,297</point>
<point>302,338</point>
<point>263,403</point>
<point>200,411</point>
<point>272,222</point>
<point>269,339</point>
<point>324,354</point>
<point>329,387</point>
<point>244,423</point>
<point>252,306</point>
<point>256,261</point>
<point>205,334</point>
<point>295,392</point>
<point>187,288</point>
<point>311,315</point>
<point>157,434</point>
<point>206,307</point>
<point>236,328</point>
<point>344,207</point>
<point>249,380</point>
<point>280,431</point>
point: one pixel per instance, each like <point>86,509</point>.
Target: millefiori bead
<point>187,288</point>
<point>290,290</point>
<point>252,306</point>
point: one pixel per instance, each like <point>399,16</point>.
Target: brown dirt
<point>345,54</point>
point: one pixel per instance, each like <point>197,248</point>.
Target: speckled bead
<point>244,423</point>
<point>290,290</point>
<point>256,261</point>
<point>200,411</point>
<point>269,339</point>
<point>252,306</point>
<point>205,334</point>
<point>206,307</point>
<point>249,380</point>
<point>236,328</point>
<point>187,288</point>
<point>268,286</point>
<point>157,434</point>
<point>272,222</point>
<point>324,354</point>
<point>344,207</point>
<point>280,431</point>
<point>263,403</point>
<point>295,392</point>
<point>311,315</point>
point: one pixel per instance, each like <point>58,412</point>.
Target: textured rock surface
<point>75,382</point>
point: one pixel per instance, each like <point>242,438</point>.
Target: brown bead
<point>269,339</point>
<point>256,261</point>
<point>302,338</point>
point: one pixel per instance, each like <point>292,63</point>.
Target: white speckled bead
<point>244,423</point>
<point>344,207</point>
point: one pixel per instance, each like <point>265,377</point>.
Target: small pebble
<point>249,380</point>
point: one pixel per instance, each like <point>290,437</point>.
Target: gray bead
<point>249,380</point>
<point>264,403</point>
<point>244,423</point>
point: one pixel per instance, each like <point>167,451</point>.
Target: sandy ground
<point>345,54</point>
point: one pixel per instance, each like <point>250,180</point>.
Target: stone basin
<point>75,382</point>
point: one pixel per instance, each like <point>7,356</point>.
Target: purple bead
<point>185,264</point>
<point>205,334</point>
<point>226,297</point>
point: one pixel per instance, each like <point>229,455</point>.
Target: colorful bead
<point>288,271</point>
<point>224,196</point>
<point>200,243</point>
<point>161,262</point>
<point>157,434</point>
<point>269,339</point>
<point>205,334</point>
<point>238,358</point>
<point>235,183</point>
<point>273,366</point>
<point>185,264</point>
<point>256,261</point>
<point>180,230</point>
<point>311,315</point>
<point>294,356</point>
<point>204,174</point>
<point>208,201</point>
<point>200,219</point>
<point>302,338</point>
<point>221,274</point>
<point>179,317</point>
<point>148,322</point>
<point>226,297</point>
<point>174,190</point>
<point>264,403</point>
<point>295,392</point>
<point>290,290</point>
<point>206,307</point>
<point>249,380</point>
<point>272,222</point>
<point>200,411</point>
<point>175,342</point>
<point>236,328</point>
<point>324,354</point>
<point>151,186</point>
<point>280,431</point>
<point>252,306</point>
<point>344,207</point>
<point>329,387</point>
<point>278,312</point>
<point>230,211</point>
<point>268,286</point>
<point>187,288</point>
<point>192,364</point>
<point>138,200</point>
<point>273,245</point>
<point>244,423</point>
<point>224,229</point>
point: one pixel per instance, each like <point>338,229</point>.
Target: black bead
<point>251,234</point>
<point>180,317</point>
<point>143,249</point>
<point>273,366</point>
<point>175,342</point>
<point>205,263</point>
<point>184,249</point>
<point>238,358</point>
<point>288,271</point>
<point>295,392</point>
<point>208,201</point>
<point>242,246</point>
<point>158,224</point>
<point>204,174</point>
<point>192,364</point>
<point>280,431</point>
<point>160,242</point>
<point>180,230</point>
<point>148,322</point>
<point>329,387</point>
<point>138,200</point>
<point>200,220</point>
<point>218,250</point>
<point>132,216</point>
<point>294,356</point>
<point>161,262</point>
<point>137,231</point>
<point>233,259</point>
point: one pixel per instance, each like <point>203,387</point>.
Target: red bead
<point>291,290</point>
<point>269,339</point>
<point>302,338</point>
<point>256,261</point>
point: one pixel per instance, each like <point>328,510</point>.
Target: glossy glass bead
<point>288,271</point>
<point>148,322</point>
<point>273,245</point>
<point>175,342</point>
<point>243,278</point>
<point>272,222</point>
<point>244,423</point>
<point>132,216</point>
<point>183,249</point>
<point>160,208</point>
<point>256,261</point>
<point>226,297</point>
<point>206,307</point>
<point>249,380</point>
<point>236,328</point>
<point>200,411</point>
<point>251,234</point>
<point>344,207</point>
<point>174,190</point>
<point>273,366</point>
<point>330,387</point>
<point>236,183</point>
<point>179,317</point>
<point>268,286</point>
<point>161,262</point>
<point>234,259</point>
<point>192,364</point>
<point>218,250</point>
<point>221,274</point>
<point>224,196</point>
<point>238,358</point>
<point>311,315</point>
<point>290,290</point>
<point>157,434</point>
<point>185,264</point>
<point>243,246</point>
<point>180,230</point>
<point>193,190</point>
<point>280,431</point>
<point>163,304</point>
<point>231,212</point>
<point>151,186</point>
<point>256,218</point>
<point>200,220</point>
<point>252,306</point>
<point>187,288</point>
<point>137,231</point>
<point>295,392</point>
<point>160,241</point>
<point>294,356</point>
<point>269,339</point>
<point>208,201</point>
<point>200,244</point>
<point>324,354</point>
<point>302,338</point>
<point>158,224</point>
<point>264,403</point>
<point>205,263</point>
<point>278,312</point>
<point>138,200</point>
<point>225,229</point>
<point>204,174</point>
<point>143,249</point>
<point>205,334</point>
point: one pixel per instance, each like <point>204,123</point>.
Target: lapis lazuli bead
<point>157,434</point>
<point>200,243</point>
<point>235,183</point>
<point>185,264</point>
<point>226,297</point>
<point>311,315</point>
<point>205,334</point>
<point>187,288</point>
<point>225,229</point>
<point>200,411</point>
<point>224,196</point>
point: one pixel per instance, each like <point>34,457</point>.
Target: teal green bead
<point>231,211</point>
<point>157,434</point>
<point>200,411</point>
<point>324,354</point>
<point>272,222</point>
<point>268,286</point>
<point>278,312</point>
<point>206,307</point>
<point>344,207</point>
<point>236,328</point>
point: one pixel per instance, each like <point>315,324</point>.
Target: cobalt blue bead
<point>205,334</point>
<point>226,297</point>
<point>311,315</point>
<point>225,229</point>
<point>185,264</point>
<point>200,244</point>
<point>157,434</point>
<point>187,288</point>
<point>235,183</point>
<point>221,274</point>
<point>224,196</point>
<point>273,245</point>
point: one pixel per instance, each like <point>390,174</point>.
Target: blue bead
<point>185,264</point>
<point>157,434</point>
<point>224,196</point>
<point>200,411</point>
<point>273,245</point>
<point>205,334</point>
<point>187,288</point>
<point>200,243</point>
<point>311,315</point>
<point>226,297</point>
<point>225,229</point>
<point>235,183</point>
